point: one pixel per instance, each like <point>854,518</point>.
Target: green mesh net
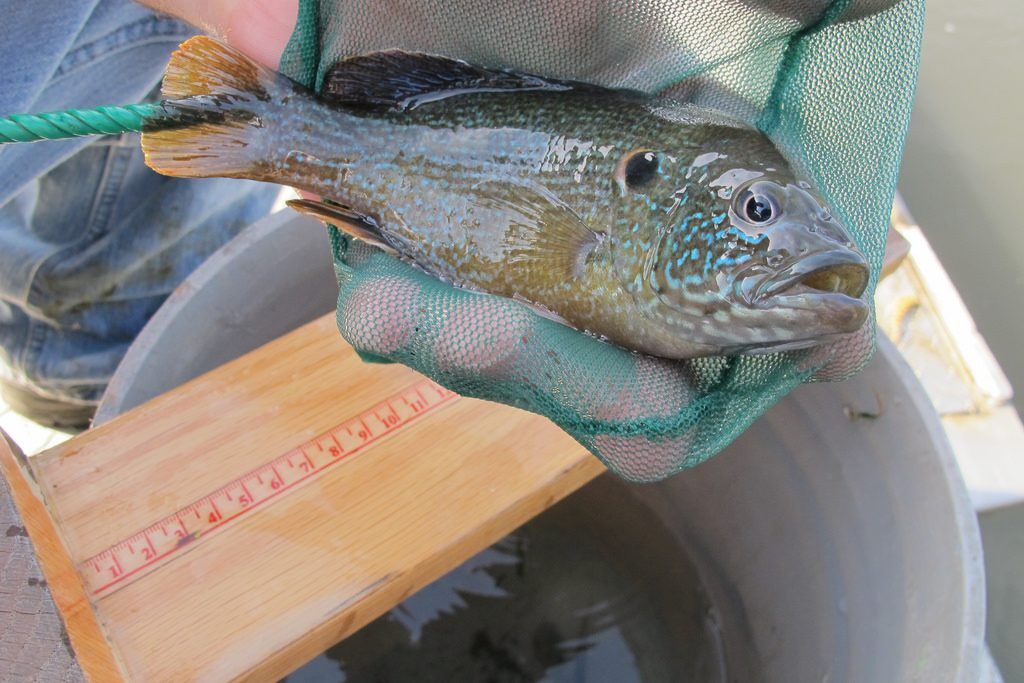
<point>830,82</point>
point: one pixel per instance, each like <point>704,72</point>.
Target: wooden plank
<point>93,652</point>
<point>255,593</point>
<point>896,245</point>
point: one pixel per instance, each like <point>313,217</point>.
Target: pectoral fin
<point>345,219</point>
<point>541,230</point>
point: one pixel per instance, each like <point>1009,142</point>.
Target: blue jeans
<point>91,240</point>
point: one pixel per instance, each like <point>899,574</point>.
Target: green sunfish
<point>665,228</point>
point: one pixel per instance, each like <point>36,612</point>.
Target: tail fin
<point>206,66</point>
<point>221,144</point>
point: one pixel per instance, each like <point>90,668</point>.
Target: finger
<point>209,15</point>
<point>838,360</point>
<point>381,315</point>
<point>600,381</point>
<point>262,28</point>
<point>482,335</point>
<point>639,458</point>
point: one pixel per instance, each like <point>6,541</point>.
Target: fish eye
<point>757,206</point>
<point>637,169</point>
<point>758,209</point>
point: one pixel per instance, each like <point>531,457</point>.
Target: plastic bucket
<point>834,539</point>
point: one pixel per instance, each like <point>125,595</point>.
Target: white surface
<point>30,437</point>
<point>978,360</point>
<point>921,311</point>
<point>990,451</point>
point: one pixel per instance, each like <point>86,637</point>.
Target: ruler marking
<point>180,542</point>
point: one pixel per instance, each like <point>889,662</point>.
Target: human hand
<point>645,417</point>
<point>629,409</point>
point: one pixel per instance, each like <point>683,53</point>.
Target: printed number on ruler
<point>129,559</point>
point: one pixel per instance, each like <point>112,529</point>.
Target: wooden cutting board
<point>241,524</point>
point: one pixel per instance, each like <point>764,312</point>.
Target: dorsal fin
<point>403,80</point>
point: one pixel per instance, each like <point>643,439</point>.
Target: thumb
<point>259,28</point>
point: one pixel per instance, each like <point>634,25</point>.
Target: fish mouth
<point>816,297</point>
<point>831,274</point>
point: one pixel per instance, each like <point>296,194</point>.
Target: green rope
<point>76,122</point>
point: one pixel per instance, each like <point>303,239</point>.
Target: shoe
<point>63,416</point>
